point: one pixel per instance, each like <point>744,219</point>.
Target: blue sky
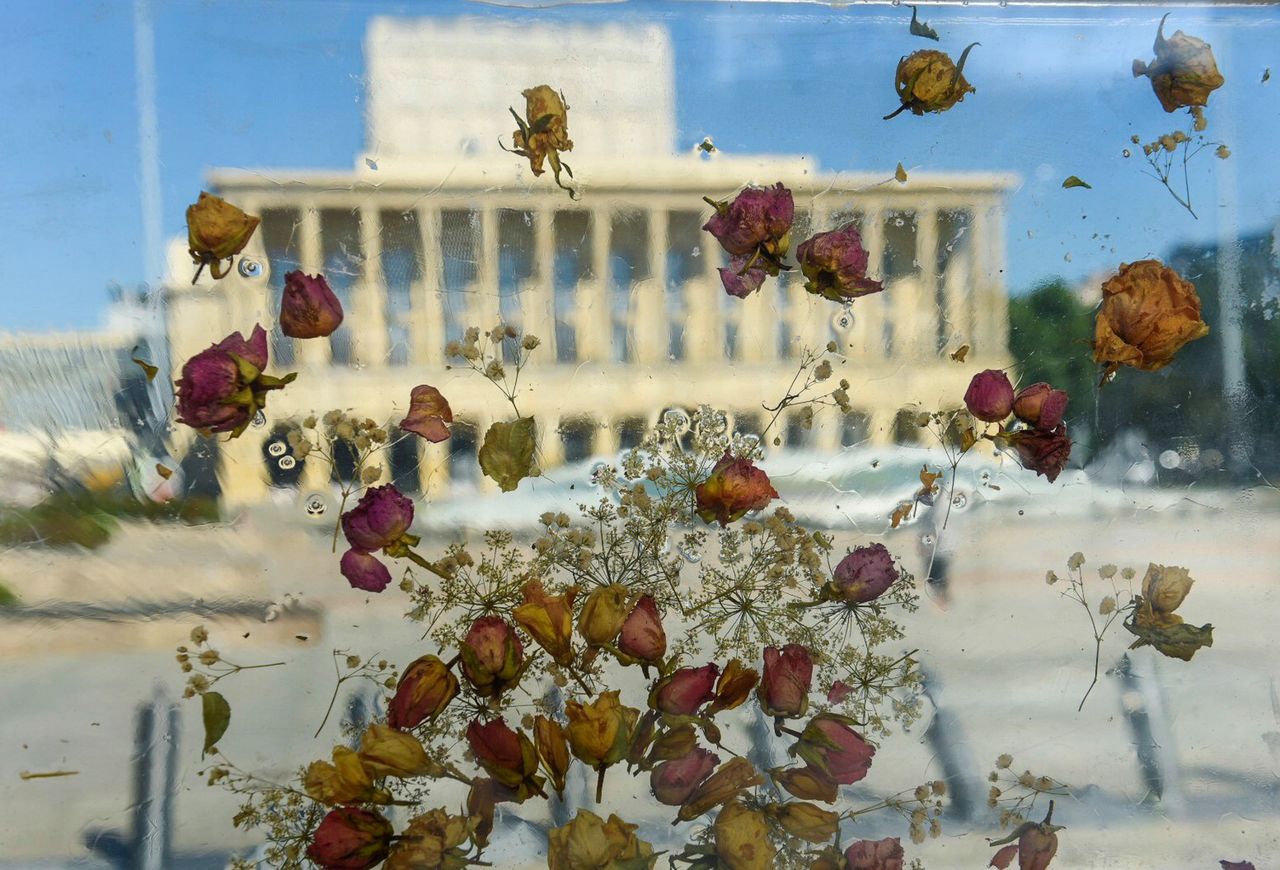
<point>281,85</point>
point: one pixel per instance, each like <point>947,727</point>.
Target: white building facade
<point>437,230</point>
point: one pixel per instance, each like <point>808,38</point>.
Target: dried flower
<point>733,688</point>
<point>674,780</point>
<point>426,687</point>
<point>1183,73</point>
<point>741,837</point>
<point>429,411</point>
<point>349,838</point>
<point>553,749</point>
<point>929,81</point>
<point>506,755</point>
<point>216,231</point>
<point>684,690</point>
<point>807,783</point>
<point>364,571</point>
<point>544,131</point>
<point>379,520</point>
<point>722,786</point>
<point>492,656</point>
<point>548,619</point>
<point>835,264</point>
<point>735,487</point>
<point>308,308</point>
<point>829,745</point>
<point>590,842</point>
<point>755,229</point>
<point>344,781</point>
<point>603,614</point>
<point>385,751</point>
<point>1045,453</point>
<point>430,842</point>
<point>990,396</point>
<point>788,674</point>
<point>600,732</point>
<point>861,576</point>
<point>883,854</point>
<point>1148,313</point>
<point>642,636</point>
<point>1164,588</point>
<point>1041,406</point>
<point>806,821</point>
<point>223,387</point>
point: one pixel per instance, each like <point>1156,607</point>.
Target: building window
<point>748,423</point>
<point>402,272</point>
<point>855,428</point>
<point>459,257</point>
<point>899,245</point>
<point>685,264</point>
<point>515,269</point>
<point>577,435</point>
<point>572,268</point>
<point>628,264</point>
<point>344,461</point>
<point>343,256</point>
<point>404,456</point>
<point>280,242</point>
<point>905,428</point>
<point>464,468</point>
<point>284,468</point>
<point>631,431</point>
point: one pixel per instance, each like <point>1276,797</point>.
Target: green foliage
<point>88,519</point>
<point>1050,331</point>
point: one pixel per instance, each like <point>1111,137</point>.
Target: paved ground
<point>1011,656</point>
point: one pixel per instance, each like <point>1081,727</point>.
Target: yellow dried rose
<point>600,732</point>
<point>929,81</point>
<point>1148,313</point>
<point>807,821</point>
<point>1153,620</point>
<point>1165,587</point>
<point>216,231</point>
<point>345,781</point>
<point>430,842</point>
<point>543,132</point>
<point>742,839</point>
<point>385,751</point>
<point>590,843</point>
<point>1183,73</point>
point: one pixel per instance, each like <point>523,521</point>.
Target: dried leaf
<point>1266,74</point>
<point>217,716</point>
<point>920,28</point>
<point>46,774</point>
<point>960,353</point>
<point>1002,859</point>
<point>929,479</point>
<point>1076,181</point>
<point>968,438</point>
<point>164,471</point>
<point>147,367</point>
<point>507,453</point>
<point>1177,640</point>
<point>900,174</point>
<point>900,513</point>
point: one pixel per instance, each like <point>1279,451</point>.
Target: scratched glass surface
<point>374,141</point>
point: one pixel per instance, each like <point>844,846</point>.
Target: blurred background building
<point>437,229</point>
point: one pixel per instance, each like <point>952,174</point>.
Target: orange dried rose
<point>544,131</point>
<point>1148,313</point>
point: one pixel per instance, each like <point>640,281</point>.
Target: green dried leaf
<point>1076,181</point>
<point>1178,641</point>
<point>144,365</point>
<point>507,453</point>
<point>217,716</point>
<point>919,28</point>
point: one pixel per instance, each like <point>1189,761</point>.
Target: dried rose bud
<point>755,229</point>
<point>492,656</point>
<point>548,619</point>
<point>600,732</point>
<point>506,755</point>
<point>1183,73</point>
<point>807,783</point>
<point>733,688</point>
<point>544,131</point>
<point>553,749</point>
<point>379,520</point>
<point>346,780</point>
<point>308,308</point>
<point>364,571</point>
<point>223,387</point>
<point>806,821</point>
<point>385,751</point>
<point>429,411</point>
<point>990,396</point>
<point>735,487</point>
<point>1165,587</point>
<point>349,838</point>
<point>1045,453</point>
<point>642,636</point>
<point>741,837</point>
<point>861,576</point>
<point>788,674</point>
<point>216,231</point>
<point>838,692</point>
<point>883,854</point>
<point>829,745</point>
<point>603,614</point>
<point>684,690</point>
<point>426,687</point>
<point>1040,405</point>
<point>929,81</point>
<point>1148,313</point>
<point>431,841</point>
<point>835,264</point>
<point>673,781</point>
<point>590,841</point>
<point>724,785</point>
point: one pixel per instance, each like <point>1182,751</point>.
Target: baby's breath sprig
<point>1016,794</point>
<point>361,439</point>
<point>1173,150</point>
<point>380,672</point>
<point>206,665</point>
<point>1110,608</point>
<point>815,368</point>
<point>500,357</point>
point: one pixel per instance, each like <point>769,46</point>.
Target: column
<point>987,335</point>
<point>241,471</point>
<point>433,470</point>
<point>648,304</point>
<point>869,311</point>
<point>315,476</point>
<point>550,444</point>
<point>880,422</point>
<point>704,325</point>
<point>605,442</point>
<point>485,312</point>
<point>592,299</point>
<point>313,352</point>
<point>427,314</point>
<point>371,340</point>
<point>955,288</point>
<point>925,327</point>
<point>537,300</point>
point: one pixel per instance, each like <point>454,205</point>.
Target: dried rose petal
<point>429,411</point>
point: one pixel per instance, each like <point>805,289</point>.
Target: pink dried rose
<point>349,838</point>
<point>429,411</point>
<point>883,854</point>
<point>1041,406</point>
<point>835,264</point>
<point>1002,859</point>
<point>755,230</point>
<point>788,675</point>
<point>379,520</point>
<point>673,781</point>
<point>834,749</point>
<point>364,571</point>
<point>642,636</point>
<point>735,487</point>
<point>990,396</point>
<point>425,688</point>
<point>508,756</point>
<point>863,575</point>
<point>1045,453</point>
<point>223,387</point>
<point>492,656</point>
<point>684,690</point>
<point>308,308</point>
<point>838,692</point>
<point>1036,844</point>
